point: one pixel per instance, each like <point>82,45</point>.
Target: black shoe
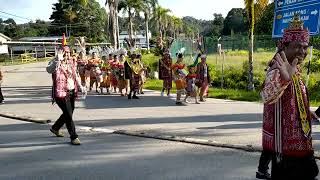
<point>135,97</point>
<point>178,103</point>
<point>260,175</point>
<point>129,96</point>
<point>142,92</point>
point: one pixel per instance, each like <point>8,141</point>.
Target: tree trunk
<point>251,85</point>
<point>146,16</point>
<point>130,24</point>
<point>118,29</point>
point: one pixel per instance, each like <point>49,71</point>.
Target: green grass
<point>236,59</point>
<point>231,94</point>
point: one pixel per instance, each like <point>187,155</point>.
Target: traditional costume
<point>287,119</point>
<point>81,67</point>
<point>179,74</point>
<point>106,77</point>
<point>66,83</point>
<point>191,89</point>
<point>165,72</point>
<point>122,82</point>
<point>135,77</point>
<point>203,77</point>
<point>95,74</point>
<point>114,72</point>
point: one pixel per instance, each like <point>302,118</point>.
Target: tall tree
<point>148,7</point>
<point>265,22</point>
<point>113,21</point>
<point>217,24</point>
<point>161,17</point>
<point>249,6</point>
<point>79,17</point>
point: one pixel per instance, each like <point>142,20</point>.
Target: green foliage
<point>315,62</point>
<point>265,23</point>
<point>236,21</point>
<point>81,20</point>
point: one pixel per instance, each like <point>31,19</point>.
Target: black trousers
<point>264,161</point>
<point>294,168</point>
<point>318,112</point>
<point>1,95</point>
<point>67,107</point>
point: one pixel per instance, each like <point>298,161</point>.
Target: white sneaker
<point>162,93</point>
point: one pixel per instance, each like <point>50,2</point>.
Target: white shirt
<point>205,71</point>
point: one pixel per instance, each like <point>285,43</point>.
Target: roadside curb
<point>25,118</point>
<point>248,148</point>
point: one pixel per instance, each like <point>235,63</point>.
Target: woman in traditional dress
<point>165,72</point>
<point>81,67</point>
<point>114,72</point>
<point>135,81</point>
<point>203,77</point>
<point>191,84</point>
<point>96,73</point>
<point>122,82</point>
<point>179,74</point>
<point>106,75</point>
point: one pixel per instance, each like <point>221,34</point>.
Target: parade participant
<point>122,82</point>
<point>135,79</point>
<point>128,71</point>
<point>106,75</point>
<point>165,72</point>
<point>143,75</point>
<point>179,75</point>
<point>81,67</point>
<point>66,83</point>
<point>114,72</point>
<point>191,84</point>
<point>96,74</point>
<point>203,77</point>
<point>110,58</point>
<point>1,95</point>
<point>286,115</point>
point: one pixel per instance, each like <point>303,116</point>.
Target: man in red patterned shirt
<point>286,118</point>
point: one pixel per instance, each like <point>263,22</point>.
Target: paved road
<point>27,89</point>
<point>27,150</point>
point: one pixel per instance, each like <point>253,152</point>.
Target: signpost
<point>309,11</point>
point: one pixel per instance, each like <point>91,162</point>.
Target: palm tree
<point>148,7</point>
<point>176,25</point>
<point>113,21</point>
<point>162,18</point>
<point>249,6</point>
<point>253,15</point>
<point>260,7</point>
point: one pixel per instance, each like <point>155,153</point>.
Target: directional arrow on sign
<point>315,12</point>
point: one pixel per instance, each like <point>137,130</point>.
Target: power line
<point>16,16</point>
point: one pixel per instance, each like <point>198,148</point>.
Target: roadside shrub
<point>315,62</point>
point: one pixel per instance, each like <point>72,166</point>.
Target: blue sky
<point>42,9</point>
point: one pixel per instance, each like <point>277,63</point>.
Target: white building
<point>139,37</point>
<point>4,48</point>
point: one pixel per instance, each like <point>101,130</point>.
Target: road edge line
<point>25,118</point>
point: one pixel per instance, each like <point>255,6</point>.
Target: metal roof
<point>49,38</point>
<point>6,37</point>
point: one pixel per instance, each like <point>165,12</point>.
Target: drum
<point>180,84</point>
